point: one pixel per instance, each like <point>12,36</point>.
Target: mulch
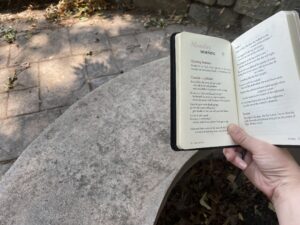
<point>213,192</point>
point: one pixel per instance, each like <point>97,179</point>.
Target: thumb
<point>240,137</point>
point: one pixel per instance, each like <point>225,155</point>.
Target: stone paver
<point>4,167</point>
<point>3,105</point>
<point>66,63</point>
<point>122,25</point>
<point>127,52</point>
<point>101,80</point>
<point>4,52</point>
<point>62,81</point>
<point>153,44</point>
<point>38,45</point>
<point>27,78</point>
<point>61,70</point>
<point>17,133</point>
<point>23,102</point>
<point>101,64</point>
<point>86,37</point>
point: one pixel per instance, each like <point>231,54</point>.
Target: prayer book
<point>252,81</point>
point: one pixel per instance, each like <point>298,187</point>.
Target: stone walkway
<point>59,64</point>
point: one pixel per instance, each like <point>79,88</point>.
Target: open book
<point>253,82</point>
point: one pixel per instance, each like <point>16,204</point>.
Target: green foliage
<point>82,8</point>
<point>9,34</point>
<point>155,22</point>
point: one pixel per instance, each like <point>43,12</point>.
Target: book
<point>252,82</point>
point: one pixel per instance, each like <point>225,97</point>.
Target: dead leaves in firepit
<point>210,194</point>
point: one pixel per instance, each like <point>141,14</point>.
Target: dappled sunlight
<point>85,37</point>
<point>119,24</point>
<point>59,85</point>
<point>38,41</point>
<point>64,63</point>
<point>32,47</point>
<point>101,64</point>
<point>17,133</point>
<point>4,52</point>
<point>56,74</point>
<point>10,132</point>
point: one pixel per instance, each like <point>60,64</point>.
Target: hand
<point>271,169</point>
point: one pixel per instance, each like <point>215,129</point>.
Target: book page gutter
<point>208,102</point>
<point>268,87</point>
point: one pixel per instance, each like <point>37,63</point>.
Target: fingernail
<point>232,128</point>
<point>242,164</point>
<point>225,151</point>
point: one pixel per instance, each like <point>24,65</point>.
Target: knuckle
<point>230,158</point>
<point>241,137</point>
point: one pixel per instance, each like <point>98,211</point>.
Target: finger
<point>233,157</point>
<point>240,137</point>
<point>248,158</point>
<point>242,152</point>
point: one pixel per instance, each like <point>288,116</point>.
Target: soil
<point>214,192</point>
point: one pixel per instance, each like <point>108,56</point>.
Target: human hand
<point>271,169</point>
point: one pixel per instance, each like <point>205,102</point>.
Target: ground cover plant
<point>214,192</point>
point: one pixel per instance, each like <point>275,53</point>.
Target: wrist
<point>288,185</point>
<point>286,200</point>
<point>286,193</point>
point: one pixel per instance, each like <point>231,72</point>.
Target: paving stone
<point>153,44</point>
<point>27,78</point>
<point>3,105</point>
<point>3,43</point>
<point>18,132</point>
<point>127,51</point>
<point>117,25</point>
<point>4,52</point>
<point>4,167</point>
<point>85,37</point>
<point>4,74</point>
<point>101,80</point>
<point>109,152</point>
<point>207,2</point>
<point>22,102</point>
<point>62,81</point>
<point>101,64</point>
<point>257,9</point>
<point>44,44</point>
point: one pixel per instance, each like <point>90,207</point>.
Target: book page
<point>267,80</point>
<point>205,94</point>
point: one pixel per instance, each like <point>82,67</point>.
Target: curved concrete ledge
<point>106,160</point>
